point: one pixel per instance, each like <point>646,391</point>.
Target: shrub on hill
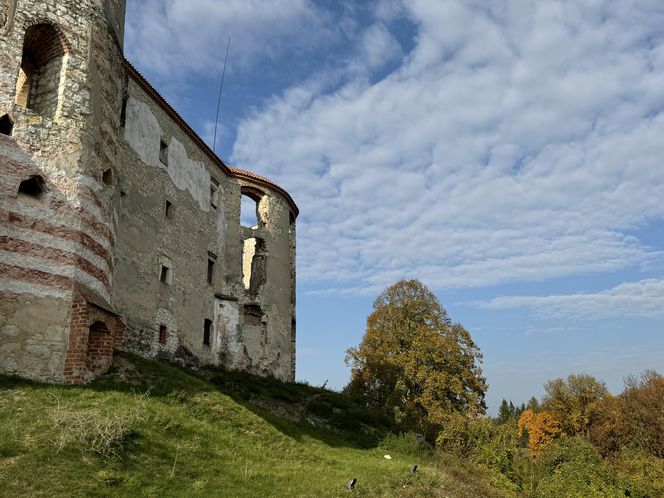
<point>482,441</point>
<point>408,443</point>
<point>573,468</point>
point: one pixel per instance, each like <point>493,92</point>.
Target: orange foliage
<point>542,428</point>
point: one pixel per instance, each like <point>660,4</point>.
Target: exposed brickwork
<point>53,255</point>
<point>93,336</point>
<point>18,220</point>
<point>33,276</point>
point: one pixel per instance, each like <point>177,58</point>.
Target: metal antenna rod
<point>221,87</point>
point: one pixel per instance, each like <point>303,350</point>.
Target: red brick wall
<point>90,349</point>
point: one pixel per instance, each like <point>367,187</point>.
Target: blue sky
<point>510,155</point>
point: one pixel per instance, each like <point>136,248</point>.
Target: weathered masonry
<point>119,227</point>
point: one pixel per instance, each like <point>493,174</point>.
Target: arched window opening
<point>98,326</point>
<point>248,212</point>
<point>250,215</point>
<point>40,78</point>
<point>33,187</point>
<point>6,125</point>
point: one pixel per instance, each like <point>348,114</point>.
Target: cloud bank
<point>518,140</point>
<point>643,298</point>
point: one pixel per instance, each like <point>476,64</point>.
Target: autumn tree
<point>414,361</point>
<point>634,419</point>
<point>574,401</point>
<point>542,428</point>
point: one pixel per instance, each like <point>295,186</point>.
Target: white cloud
<point>512,144</point>
<point>179,39</point>
<point>378,47</point>
<point>643,298</point>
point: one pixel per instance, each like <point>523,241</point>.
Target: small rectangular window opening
<point>169,210</point>
<point>210,271</point>
<point>207,327</point>
<point>214,193</point>
<point>163,151</point>
<point>164,274</point>
<point>163,334</point>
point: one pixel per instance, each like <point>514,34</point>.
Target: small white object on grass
<point>388,457</point>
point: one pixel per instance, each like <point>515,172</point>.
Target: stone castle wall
<point>132,238</point>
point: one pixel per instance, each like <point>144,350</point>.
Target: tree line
<point>424,370</point>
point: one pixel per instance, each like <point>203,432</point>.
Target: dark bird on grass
<point>351,484</point>
<point>413,468</point>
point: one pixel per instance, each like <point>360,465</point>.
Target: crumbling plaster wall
<point>33,335</point>
<point>146,236</point>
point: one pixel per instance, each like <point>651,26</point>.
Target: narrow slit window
<point>291,222</point>
<point>163,334</point>
<point>163,151</point>
<point>164,275</point>
<point>207,328</point>
<point>107,177</point>
<point>169,210</point>
<point>210,270</point>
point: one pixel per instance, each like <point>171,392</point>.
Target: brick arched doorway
<point>100,349</point>
<point>94,332</point>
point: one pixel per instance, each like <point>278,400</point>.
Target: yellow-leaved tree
<point>415,362</point>
<point>542,428</point>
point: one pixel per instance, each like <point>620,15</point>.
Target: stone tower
<point>61,94</point>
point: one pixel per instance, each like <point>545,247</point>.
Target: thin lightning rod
<point>221,87</point>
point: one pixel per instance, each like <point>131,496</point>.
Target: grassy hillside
<point>151,429</point>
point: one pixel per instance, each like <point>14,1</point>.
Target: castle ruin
<point>119,227</point>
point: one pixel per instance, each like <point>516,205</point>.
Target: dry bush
<point>92,430</point>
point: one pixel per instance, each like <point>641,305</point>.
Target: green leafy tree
<point>415,361</point>
<point>574,401</point>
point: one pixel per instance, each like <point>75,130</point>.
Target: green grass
<point>151,429</point>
